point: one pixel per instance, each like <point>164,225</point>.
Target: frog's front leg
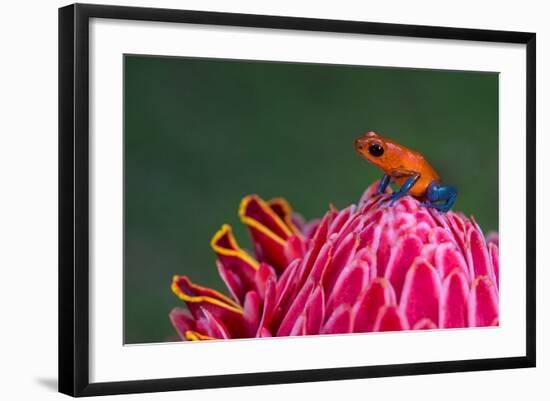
<point>384,182</point>
<point>440,193</point>
<point>405,188</point>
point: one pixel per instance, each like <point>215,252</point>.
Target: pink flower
<point>365,268</point>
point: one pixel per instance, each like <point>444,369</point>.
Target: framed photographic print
<point>249,199</point>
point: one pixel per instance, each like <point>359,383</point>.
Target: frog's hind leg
<point>440,193</point>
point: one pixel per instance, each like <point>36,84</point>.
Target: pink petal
<point>402,257</point>
<point>315,311</point>
<point>390,318</point>
<point>341,219</point>
<point>268,307</point>
<point>295,310</point>
<point>424,324</point>
<point>322,262</point>
<point>339,322</point>
<point>420,297</point>
<point>294,248</point>
<point>482,303</point>
<point>316,244</point>
<point>216,328</point>
<point>453,311</point>
<point>365,311</point>
<point>341,258</point>
<point>440,236</point>
<point>383,252</point>
<point>493,254</point>
<point>448,258</point>
<point>479,256</point>
<point>287,284</point>
<point>264,333</point>
<point>252,312</point>
<point>182,321</point>
<point>353,279</point>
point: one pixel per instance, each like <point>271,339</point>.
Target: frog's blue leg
<point>384,182</point>
<point>440,193</point>
<point>405,188</point>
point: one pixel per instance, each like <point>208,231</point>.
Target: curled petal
<point>268,231</point>
<point>482,303</point>
<point>420,298</point>
<point>390,318</point>
<point>453,311</point>
<point>196,298</point>
<point>236,267</point>
<point>282,208</point>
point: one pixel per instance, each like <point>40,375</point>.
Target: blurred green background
<point>202,133</point>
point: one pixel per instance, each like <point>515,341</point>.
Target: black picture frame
<point>74,198</point>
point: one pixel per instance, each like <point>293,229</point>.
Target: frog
<point>407,168</point>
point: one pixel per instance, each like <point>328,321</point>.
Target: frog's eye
<point>376,150</point>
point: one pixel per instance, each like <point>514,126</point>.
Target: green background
<point>202,133</point>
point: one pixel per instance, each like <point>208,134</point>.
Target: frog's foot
<point>440,193</point>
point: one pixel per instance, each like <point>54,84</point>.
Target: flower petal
<point>295,310</point>
<point>196,336</point>
<point>236,267</point>
<point>448,258</point>
<point>481,266</point>
<point>349,284</point>
<point>339,322</point>
<point>420,297</point>
<point>268,307</point>
<point>425,324</point>
<point>342,256</point>
<point>453,311</point>
<point>401,260</point>
<point>315,311</point>
<point>196,298</point>
<point>493,254</point>
<point>482,303</point>
<point>365,310</point>
<point>267,229</point>
<point>216,327</point>
<point>390,318</point>
<point>282,208</point>
<point>182,320</point>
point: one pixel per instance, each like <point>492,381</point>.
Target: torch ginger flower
<point>365,268</point>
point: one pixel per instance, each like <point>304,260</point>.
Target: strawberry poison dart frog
<point>406,168</point>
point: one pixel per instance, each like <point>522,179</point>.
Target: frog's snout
<point>360,146</point>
